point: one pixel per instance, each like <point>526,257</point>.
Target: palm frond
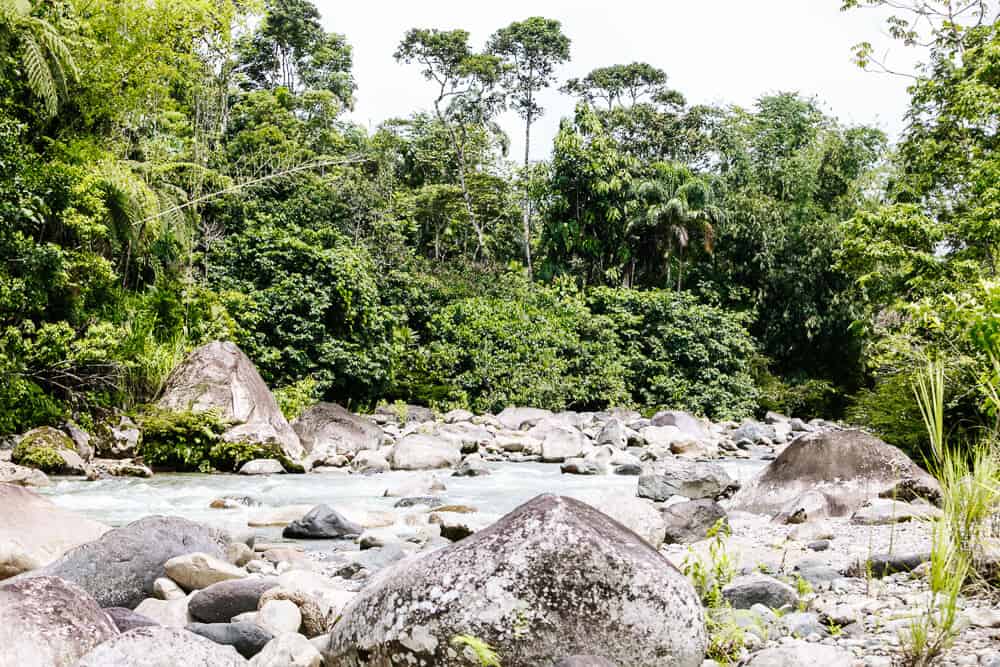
<point>38,74</point>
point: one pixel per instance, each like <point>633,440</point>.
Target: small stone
<point>819,545</point>
<point>238,553</point>
<point>745,591</point>
<point>199,570</point>
<point>262,467</point>
<point>247,638</point>
<point>166,589</point>
<point>171,613</point>
<point>279,617</point>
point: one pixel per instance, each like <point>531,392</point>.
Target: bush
<point>679,353</point>
<point>537,346</point>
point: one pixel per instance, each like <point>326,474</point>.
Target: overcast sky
<point>714,51</point>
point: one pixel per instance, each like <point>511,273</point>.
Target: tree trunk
<point>527,198</point>
<point>460,152</point>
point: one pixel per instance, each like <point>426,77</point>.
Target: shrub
<point>537,346</point>
<point>680,353</point>
<point>293,399</point>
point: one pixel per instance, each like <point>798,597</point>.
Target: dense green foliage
<point>195,180</point>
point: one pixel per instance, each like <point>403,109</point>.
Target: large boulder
<point>555,577</point>
<point>218,376</point>
<point>844,468</point>
<point>690,521</point>
<point>327,430</point>
<point>158,646</point>
<point>34,531</point>
<point>418,451</point>
<point>119,568</point>
<point>691,480</point>
<point>637,514</point>
<point>49,621</point>
<point>49,450</point>
<point>688,424</point>
<point>517,419</point>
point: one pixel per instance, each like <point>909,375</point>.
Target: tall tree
<point>618,84</point>
<point>465,94</point>
<point>530,51</point>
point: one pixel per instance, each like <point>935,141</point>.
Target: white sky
<point>714,51</point>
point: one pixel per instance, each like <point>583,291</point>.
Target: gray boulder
<point>518,419</point>
<point>34,531</point>
<point>218,376</point>
<point>690,479</point>
<point>690,521</point>
<point>327,430</point>
<point>368,462</point>
<point>11,473</point>
<point>81,440</point>
<point>753,431</point>
<point>472,465</point>
<point>424,452</point>
<point>49,621</point>
<point>322,523</point>
<point>219,602</point>
<point>248,639</point>
<point>746,591</point>
<point>161,647</point>
<point>542,583</point>
<point>613,433</point>
<point>638,515</point>
<point>119,569</point>
<point>689,425</point>
<point>119,441</point>
<point>845,467</point>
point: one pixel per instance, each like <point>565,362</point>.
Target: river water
<point>118,501</point>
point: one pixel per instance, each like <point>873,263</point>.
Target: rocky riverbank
<point>825,550</point>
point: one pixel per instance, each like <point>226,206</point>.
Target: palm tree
<point>45,58</point>
<point>672,205</point>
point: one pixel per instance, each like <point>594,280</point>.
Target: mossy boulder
<point>40,448</point>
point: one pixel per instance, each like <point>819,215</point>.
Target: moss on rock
<point>39,448</point>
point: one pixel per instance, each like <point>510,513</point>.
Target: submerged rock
<point>543,582</point>
<point>49,621</point>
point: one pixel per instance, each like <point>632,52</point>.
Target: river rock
<point>327,430</point>
<point>11,473</point>
<point>49,450</point>
<point>219,602</point>
<point>418,451</point>
<point>636,514</point>
<point>690,479</point>
<point>172,613</point>
<point>49,621</point>
<point>288,650</point>
<point>262,467</point>
<point>279,617</point>
<point>845,467</point>
<point>218,376</point>
<point>542,583</point>
<point>248,639</point>
<point>689,521</point>
<point>119,568</point>
<point>883,511</point>
<point>472,465</point>
<point>689,425</point>
<point>427,485</point>
<point>104,468</point>
<point>118,440</point>
<point>584,661</point>
<point>34,531</point>
<point>518,419</point>
<point>313,617</point>
<point>613,433</point>
<point>198,570</point>
<point>331,600</point>
<point>368,462</point>
<point>745,591</point>
<point>161,647</point>
<point>322,523</point>
<point>559,443</point>
<point>127,619</point>
<point>799,653</point>
<point>81,440</point>
<point>579,466</point>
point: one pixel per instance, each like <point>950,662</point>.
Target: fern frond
<point>39,76</point>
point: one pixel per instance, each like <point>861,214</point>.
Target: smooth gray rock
<point>11,473</point>
<point>322,523</point>
<point>690,521</point>
<point>327,429</point>
<point>472,465</point>
<point>753,431</point>
<point>802,654</point>
<point>81,440</point>
<point>248,639</point>
<point>367,462</point>
<point>689,425</point>
<point>816,572</point>
<point>693,480</point>
<point>882,565</point>
<point>746,591</point>
<point>554,570</point>
<point>161,647</point>
<point>424,452</point>
<point>519,419</point>
<point>885,511</point>
<point>220,376</point>
<point>801,624</point>
<point>844,468</point>
<point>220,602</point>
<point>126,619</point>
<point>613,433</point>
<point>288,650</point>
<point>585,661</point>
<point>119,568</point>
<point>579,466</point>
<point>49,621</point>
<point>638,515</point>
